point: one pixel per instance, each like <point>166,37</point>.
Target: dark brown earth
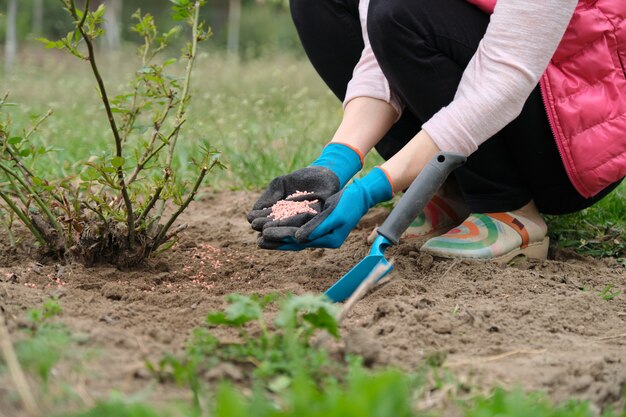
<point>536,324</point>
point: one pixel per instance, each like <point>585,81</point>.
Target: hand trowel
<point>410,205</point>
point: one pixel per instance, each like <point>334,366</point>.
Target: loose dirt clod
<point>286,208</point>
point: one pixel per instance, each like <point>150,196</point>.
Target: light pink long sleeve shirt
<point>521,38</point>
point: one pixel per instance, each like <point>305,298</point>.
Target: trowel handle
<point>419,194</point>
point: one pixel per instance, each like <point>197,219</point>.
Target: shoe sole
<point>537,250</point>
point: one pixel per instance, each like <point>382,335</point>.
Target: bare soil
<point>539,325</point>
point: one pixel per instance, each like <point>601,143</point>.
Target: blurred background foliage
<point>257,27</point>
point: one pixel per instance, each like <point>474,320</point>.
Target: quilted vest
<point>584,92</point>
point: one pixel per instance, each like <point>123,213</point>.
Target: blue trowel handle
<point>419,194</point>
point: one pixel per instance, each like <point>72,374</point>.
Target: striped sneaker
<point>492,236</point>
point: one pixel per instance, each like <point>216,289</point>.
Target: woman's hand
<point>319,183</point>
<point>340,214</point>
<point>324,177</point>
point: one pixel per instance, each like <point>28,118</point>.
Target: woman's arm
<point>365,121</point>
<point>520,40</point>
<point>370,106</point>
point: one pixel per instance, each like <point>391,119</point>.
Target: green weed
<point>50,308</point>
<point>44,342</point>
<point>607,293</point>
<point>286,373</point>
<point>518,404</point>
<point>364,394</point>
<point>271,354</point>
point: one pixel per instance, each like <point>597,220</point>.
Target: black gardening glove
<point>328,174</point>
<point>319,183</point>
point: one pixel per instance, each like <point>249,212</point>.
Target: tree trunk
<point>113,24</point>
<point>234,21</point>
<point>11,36</point>
<point>38,7</point>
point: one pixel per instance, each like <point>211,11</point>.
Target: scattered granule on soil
<point>284,209</point>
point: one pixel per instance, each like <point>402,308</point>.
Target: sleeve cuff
<point>449,135</point>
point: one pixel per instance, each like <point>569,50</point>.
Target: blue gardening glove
<point>340,214</point>
<point>328,174</point>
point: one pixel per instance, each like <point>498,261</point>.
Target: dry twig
<point>495,357</point>
<point>19,379</point>
<point>456,261</point>
<point>618,336</point>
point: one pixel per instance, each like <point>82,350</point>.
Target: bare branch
<point>130,216</point>
<point>160,237</point>
<point>16,371</point>
<point>23,217</point>
<point>154,199</point>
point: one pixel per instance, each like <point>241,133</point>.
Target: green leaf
<point>241,310</point>
<point>145,70</point>
<point>164,247</point>
<point>90,174</point>
<point>169,62</point>
<point>280,383</point>
<point>15,140</point>
<point>118,161</point>
<point>100,11</point>
<point>230,403</point>
<point>314,309</point>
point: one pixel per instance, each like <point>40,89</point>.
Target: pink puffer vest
<point>584,91</point>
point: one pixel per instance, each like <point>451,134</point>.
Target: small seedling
<point>607,293</point>
<point>49,309</point>
<point>456,310</point>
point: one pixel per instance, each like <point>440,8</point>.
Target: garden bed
<point>541,325</point>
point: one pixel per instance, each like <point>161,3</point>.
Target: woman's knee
<point>385,17</point>
<point>389,19</point>
<point>307,10</point>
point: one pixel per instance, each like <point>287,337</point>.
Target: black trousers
<point>423,47</point>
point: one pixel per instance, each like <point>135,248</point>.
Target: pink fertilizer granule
<point>299,194</point>
<point>284,209</point>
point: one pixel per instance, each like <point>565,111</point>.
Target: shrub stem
<point>130,216</point>
<point>180,114</point>
<point>24,218</point>
<point>42,205</point>
<point>160,237</point>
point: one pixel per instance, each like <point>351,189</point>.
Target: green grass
<point>266,116</point>
<point>598,231</point>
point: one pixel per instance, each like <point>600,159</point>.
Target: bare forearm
<point>404,166</point>
<point>365,122</point>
